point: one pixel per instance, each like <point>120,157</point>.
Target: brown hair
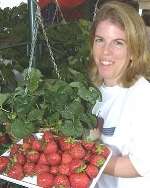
<point>133,25</point>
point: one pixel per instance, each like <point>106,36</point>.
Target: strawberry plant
<point>55,104</point>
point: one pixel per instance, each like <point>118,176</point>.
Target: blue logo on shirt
<point>108,131</point>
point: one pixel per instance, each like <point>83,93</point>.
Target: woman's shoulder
<point>141,84</point>
<point>141,89</point>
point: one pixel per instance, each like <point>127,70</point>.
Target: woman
<point>120,69</point>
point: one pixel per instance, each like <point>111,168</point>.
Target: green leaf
<point>76,84</point>
<point>32,79</point>
<point>21,129</point>
<point>3,116</point>
<point>90,95</point>
<point>73,129</point>
<point>72,111</point>
<point>89,120</point>
<point>53,118</point>
<point>35,115</point>
<point>3,98</point>
<point>55,85</point>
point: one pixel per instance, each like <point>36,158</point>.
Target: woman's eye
<point>118,43</point>
<point>98,40</point>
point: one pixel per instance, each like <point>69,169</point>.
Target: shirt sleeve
<point>139,153</point>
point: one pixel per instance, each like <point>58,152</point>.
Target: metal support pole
<point>31,12</point>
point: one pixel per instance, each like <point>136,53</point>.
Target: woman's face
<point>110,52</point>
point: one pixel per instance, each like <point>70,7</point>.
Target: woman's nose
<point>107,49</point>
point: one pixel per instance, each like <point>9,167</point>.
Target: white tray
<point>31,182</point>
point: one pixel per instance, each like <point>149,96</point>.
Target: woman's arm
<point>121,166</point>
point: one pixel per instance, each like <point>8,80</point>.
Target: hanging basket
<point>69,5</point>
<point>43,3</point>
<point>66,4</point>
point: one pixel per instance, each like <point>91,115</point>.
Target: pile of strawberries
<point>59,162</point>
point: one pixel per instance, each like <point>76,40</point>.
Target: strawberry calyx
<point>70,140</point>
<point>81,169</point>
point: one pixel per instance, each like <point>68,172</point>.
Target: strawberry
<point>75,164</point>
<point>27,142</point>
<point>103,150</point>
<point>45,180</point>
<point>66,143</point>
<point>29,139</point>
<point>3,163</point>
<point>53,159</point>
<point>88,145</point>
<point>20,158</point>
<point>77,152</point>
<point>66,158</point>
<point>64,169</point>
<point>80,180</point>
<point>61,181</point>
<point>26,146</point>
<point>97,160</point>
<point>28,168</point>
<point>16,172</point>
<point>50,147</point>
<point>42,159</point>
<point>36,145</point>
<point>47,136</point>
<point>14,149</point>
<point>53,170</point>
<point>40,168</point>
<point>87,156</point>
<point>91,171</point>
<point>33,156</point>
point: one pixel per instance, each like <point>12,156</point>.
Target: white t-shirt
<point>126,129</point>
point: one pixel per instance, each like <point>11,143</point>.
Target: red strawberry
<point>64,169</point>
<point>29,139</point>
<point>47,136</point>
<point>42,159</point>
<point>20,158</point>
<point>28,168</point>
<point>16,172</point>
<point>77,152</point>
<point>87,156</point>
<point>80,180</point>
<point>14,149</point>
<point>33,156</point>
<point>45,180</point>
<point>88,145</point>
<point>75,164</point>
<point>27,142</point>
<point>103,150</point>
<point>97,160</point>
<point>66,158</point>
<point>66,143</point>
<point>3,163</point>
<point>36,145</point>
<point>61,181</point>
<point>53,170</point>
<point>50,147</point>
<point>91,171</point>
<point>53,159</point>
<point>40,168</point>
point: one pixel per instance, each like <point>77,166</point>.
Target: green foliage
<point>7,78</point>
<point>62,106</point>
<point>42,100</point>
<point>70,46</point>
